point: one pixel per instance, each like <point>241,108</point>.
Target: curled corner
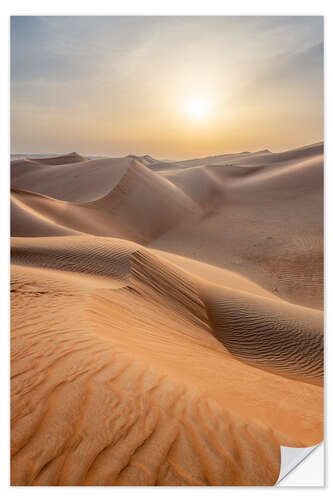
<point>291,457</point>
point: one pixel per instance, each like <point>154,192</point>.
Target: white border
<point>172,7</point>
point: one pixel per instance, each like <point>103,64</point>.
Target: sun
<point>198,108</point>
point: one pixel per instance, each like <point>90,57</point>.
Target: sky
<point>171,87</point>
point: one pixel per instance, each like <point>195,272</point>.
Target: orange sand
<point>167,324</point>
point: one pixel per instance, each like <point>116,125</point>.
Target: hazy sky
<point>172,87</point>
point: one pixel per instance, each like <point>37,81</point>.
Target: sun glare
<point>198,108</point>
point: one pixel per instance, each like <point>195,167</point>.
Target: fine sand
<point>167,317</point>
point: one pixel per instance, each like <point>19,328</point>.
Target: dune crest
<point>61,160</point>
<point>124,211</point>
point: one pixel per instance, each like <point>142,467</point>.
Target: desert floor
<point>167,323</point>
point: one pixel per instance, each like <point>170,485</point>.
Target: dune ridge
<point>167,324</point>
<point>120,212</point>
<point>61,159</point>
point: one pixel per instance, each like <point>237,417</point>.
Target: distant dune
<point>167,323</point>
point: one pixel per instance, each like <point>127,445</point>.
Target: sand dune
<point>61,160</point>
<point>166,320</point>
<point>268,333</point>
<point>23,166</point>
<point>279,210</point>
<point>125,211</point>
<point>28,222</point>
<point>264,157</point>
<point>95,256</point>
<point>79,182</point>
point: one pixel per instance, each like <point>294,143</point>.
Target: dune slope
<point>266,225</point>
<point>125,211</point>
